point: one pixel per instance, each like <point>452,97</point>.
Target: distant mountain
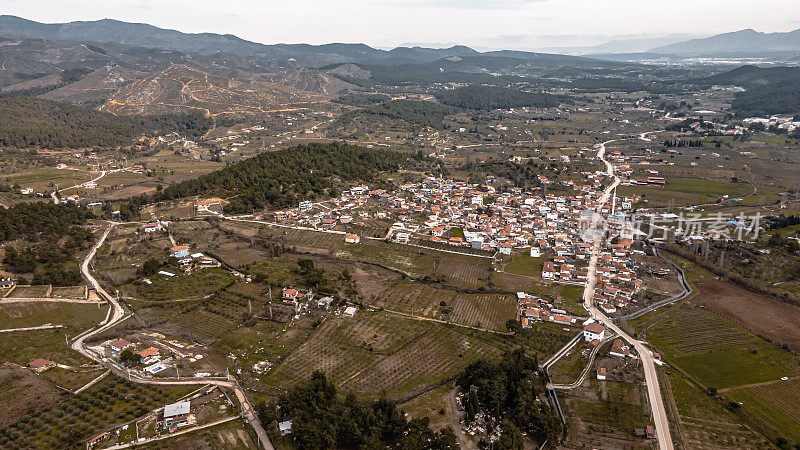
<point>736,43</point>
<point>632,45</point>
<point>148,36</point>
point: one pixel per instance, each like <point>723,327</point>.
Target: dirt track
<point>772,319</point>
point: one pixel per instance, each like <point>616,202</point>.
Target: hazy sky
<point>480,23</point>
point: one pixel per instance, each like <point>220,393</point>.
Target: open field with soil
<point>777,321</point>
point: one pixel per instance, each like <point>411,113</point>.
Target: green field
<point>773,407</point>
<point>197,284</point>
<point>74,316</point>
<point>719,353</point>
<point>522,264</point>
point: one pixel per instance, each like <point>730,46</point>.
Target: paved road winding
<point>117,315</point>
<point>651,377</point>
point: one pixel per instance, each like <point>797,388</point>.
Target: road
<point>40,327</point>
<point>651,377</point>
<point>118,314</point>
<point>585,371</point>
<point>687,290</point>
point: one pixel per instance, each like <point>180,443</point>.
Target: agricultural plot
<point>437,354</point>
<point>463,271</point>
<point>76,419</point>
<point>701,420</point>
<point>718,353</point>
<point>525,265</point>
<point>603,414</point>
<point>306,240</point>
<point>773,407</point>
<point>694,330</point>
<point>490,311</point>
<point>410,260</point>
<point>415,298</point>
<point>203,325</point>
<point>29,292</point>
<point>75,316</point>
<point>197,284</point>
<point>339,360</point>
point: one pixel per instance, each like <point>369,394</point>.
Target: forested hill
<point>282,178</point>
<point>492,97</point>
<point>422,113</point>
<point>34,122</point>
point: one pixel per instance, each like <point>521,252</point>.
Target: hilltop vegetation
<point>282,178</point>
<point>34,122</point>
<point>492,97</point>
<point>424,114</point>
<point>52,235</point>
<point>780,98</point>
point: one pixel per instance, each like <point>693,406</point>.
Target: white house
<point>594,331</point>
<point>536,252</point>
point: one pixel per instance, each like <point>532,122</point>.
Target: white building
<point>594,331</point>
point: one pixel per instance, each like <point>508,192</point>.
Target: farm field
<point>776,320</point>
<point>606,412</point>
<point>432,356</point>
<point>75,316</point>
<point>15,398</point>
<point>490,311</point>
<point>229,435</point>
<point>79,417</point>
<point>415,298</point>
<point>702,420</point>
<point>197,284</point>
<point>717,352</point>
<point>462,271</point>
<point>772,406</point>
<point>305,240</point>
<point>523,264</point>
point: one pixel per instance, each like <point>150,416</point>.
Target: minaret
<point>614,201</point>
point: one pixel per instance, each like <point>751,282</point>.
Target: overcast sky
<point>524,24</point>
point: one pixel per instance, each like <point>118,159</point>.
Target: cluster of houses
<point>302,300</point>
<point>533,308</point>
